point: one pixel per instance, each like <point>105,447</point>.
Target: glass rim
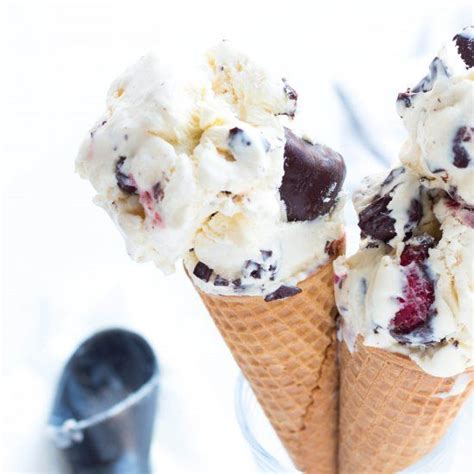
<point>261,455</point>
<point>245,399</point>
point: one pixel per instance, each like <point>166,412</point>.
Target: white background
<point>65,270</point>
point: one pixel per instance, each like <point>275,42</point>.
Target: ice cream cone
<point>392,413</point>
<point>286,349</point>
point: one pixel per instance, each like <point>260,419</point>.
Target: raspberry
<point>417,250</point>
<point>415,310</point>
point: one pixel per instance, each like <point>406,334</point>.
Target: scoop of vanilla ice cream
<point>438,114</point>
<point>370,287</point>
<point>189,164</point>
<point>410,287</point>
<point>452,260</point>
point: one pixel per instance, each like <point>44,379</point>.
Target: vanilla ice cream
<point>410,287</point>
<point>437,114</point>
<point>205,166</point>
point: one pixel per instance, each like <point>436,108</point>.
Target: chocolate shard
<point>292,96</point>
<point>313,177</point>
<point>415,213</point>
<point>465,45</point>
<point>124,182</point>
<point>461,155</point>
<point>437,69</point>
<point>237,283</point>
<point>238,137</point>
<point>283,292</point>
<point>202,271</point>
<point>220,281</point>
<point>375,220</point>
<point>158,192</point>
<point>253,269</point>
<point>266,254</point>
<point>395,173</point>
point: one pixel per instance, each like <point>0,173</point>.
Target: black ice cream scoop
<point>104,410</point>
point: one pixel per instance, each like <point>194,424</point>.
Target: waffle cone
<point>391,412</point>
<point>286,350</point>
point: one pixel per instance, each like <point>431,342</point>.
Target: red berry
<point>416,250</point>
<point>418,295</point>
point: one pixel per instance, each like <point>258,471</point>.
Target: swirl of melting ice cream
<point>410,287</point>
<point>204,166</point>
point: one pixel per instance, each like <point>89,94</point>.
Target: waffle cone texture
<point>286,350</point>
<point>391,411</point>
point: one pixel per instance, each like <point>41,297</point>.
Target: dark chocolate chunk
<point>254,269</point>
<point>237,283</point>
<point>313,177</point>
<point>238,137</point>
<point>266,254</point>
<point>273,270</point>
<point>375,220</point>
<point>202,271</point>
<point>289,91</point>
<point>395,173</point>
<point>465,45</point>
<point>406,97</point>
<point>283,292</point>
<point>124,182</point>
<point>257,273</point>
<point>158,192</point>
<point>415,213</point>
<point>292,95</point>
<point>437,68</point>
<point>220,281</point>
<point>461,155</point>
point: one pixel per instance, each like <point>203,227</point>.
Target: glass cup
<point>271,456</point>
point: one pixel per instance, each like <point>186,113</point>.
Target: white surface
<point>65,267</point>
